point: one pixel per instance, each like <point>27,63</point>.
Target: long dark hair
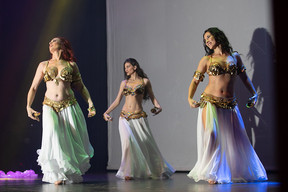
<point>67,53</point>
<point>220,38</point>
<point>139,72</point>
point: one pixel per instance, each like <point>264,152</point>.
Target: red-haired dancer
<point>66,151</point>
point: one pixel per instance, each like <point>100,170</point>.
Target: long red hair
<point>67,53</point>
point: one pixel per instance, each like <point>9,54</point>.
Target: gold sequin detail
<point>220,102</point>
<point>198,76</point>
<point>220,67</point>
<point>59,105</point>
<point>66,74</point>
<point>131,115</point>
<point>50,74</point>
<point>216,69</point>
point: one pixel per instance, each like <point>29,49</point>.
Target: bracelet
<point>254,96</point>
<point>109,117</point>
<point>155,110</point>
<point>251,101</point>
<point>36,114</point>
<point>91,109</point>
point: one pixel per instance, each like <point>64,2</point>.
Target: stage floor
<point>179,182</point>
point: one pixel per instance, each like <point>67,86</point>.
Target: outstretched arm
<point>32,91</point>
<point>247,82</point>
<point>197,78</point>
<point>152,96</point>
<point>78,85</point>
<point>115,103</point>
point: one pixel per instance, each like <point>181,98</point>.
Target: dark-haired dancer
<point>65,151</point>
<point>225,154</point>
<point>141,157</point>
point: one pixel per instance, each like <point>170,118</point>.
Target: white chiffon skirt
<point>65,151</point>
<point>141,157</point>
<point>225,154</point>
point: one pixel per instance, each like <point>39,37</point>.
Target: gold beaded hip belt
<point>220,102</point>
<point>59,105</point>
<point>131,115</point>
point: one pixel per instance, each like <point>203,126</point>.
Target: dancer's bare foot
<point>127,178</point>
<point>60,182</point>
<point>212,182</point>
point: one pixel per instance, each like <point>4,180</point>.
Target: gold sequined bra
<point>138,90</point>
<point>223,67</point>
<point>220,102</point>
<point>59,105</point>
<point>131,115</point>
<point>66,74</point>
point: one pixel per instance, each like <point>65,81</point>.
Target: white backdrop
<point>165,36</point>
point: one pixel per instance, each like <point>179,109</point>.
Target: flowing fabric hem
<point>69,179</point>
<point>225,154</point>
<point>62,170</point>
<point>226,181</point>
<point>65,150</point>
<point>141,158</point>
<point>165,175</point>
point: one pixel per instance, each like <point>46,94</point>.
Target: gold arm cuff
<point>198,76</point>
<point>91,109</point>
